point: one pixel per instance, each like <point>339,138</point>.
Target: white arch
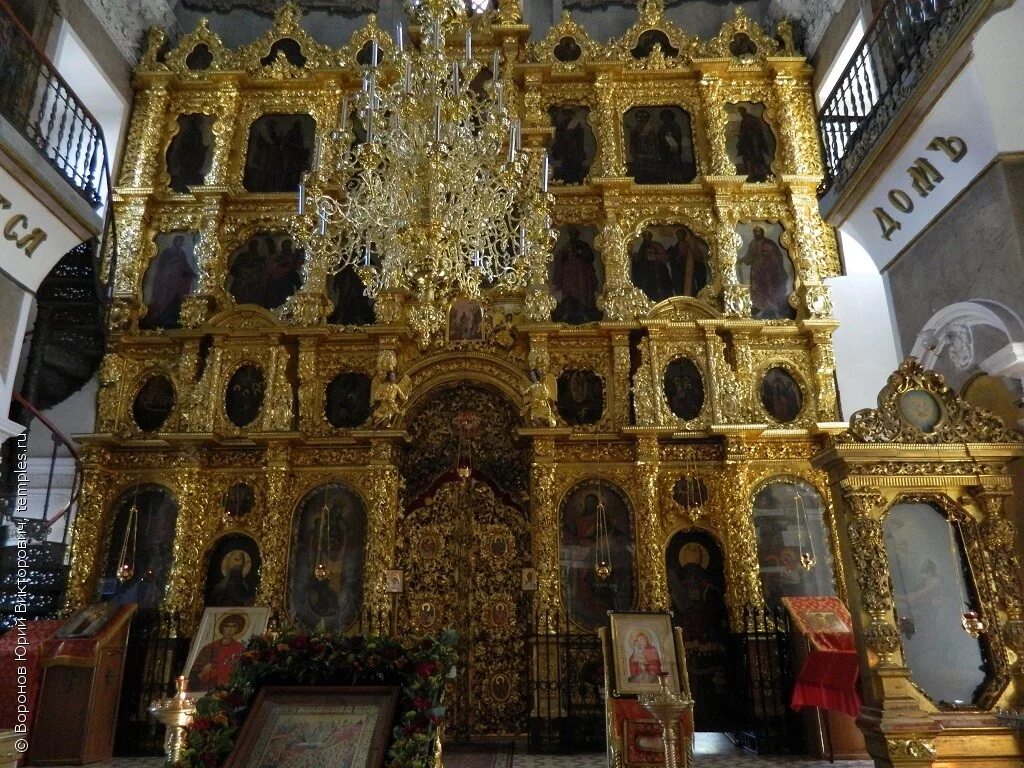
<point>949,331</point>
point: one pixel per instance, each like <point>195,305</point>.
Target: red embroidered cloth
<point>21,649</point>
<point>641,734</point>
<point>828,678</point>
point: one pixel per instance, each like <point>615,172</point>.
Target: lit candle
<point>544,174</point>
<point>399,41</point>
<point>495,62</point>
<point>469,45</point>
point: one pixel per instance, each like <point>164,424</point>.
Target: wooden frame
<point>333,720</point>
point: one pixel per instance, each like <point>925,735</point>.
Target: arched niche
<point>587,593</point>
<point>329,531</point>
<point>794,549</point>
<point>140,542</point>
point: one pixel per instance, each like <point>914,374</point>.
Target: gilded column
<point>273,580</point>
<point>385,485</point>
<point>824,364</point>
<point>87,529</point>
<point>138,168</point>
<point>194,533</point>
<point>544,517</point>
<point>621,386</point>
<point>653,582</point>
<point>609,162</point>
<point>197,308</point>
<point>743,580</point>
<point>713,100</point>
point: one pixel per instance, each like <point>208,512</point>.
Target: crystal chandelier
<point>437,201</point>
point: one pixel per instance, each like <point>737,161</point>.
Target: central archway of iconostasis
<point>462,542</point>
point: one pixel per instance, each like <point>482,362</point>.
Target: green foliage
<point>418,666</point>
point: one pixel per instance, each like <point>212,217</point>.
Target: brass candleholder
<point>175,713</point>
<point>666,707</point>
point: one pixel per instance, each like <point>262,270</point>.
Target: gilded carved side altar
<point>673,401</point>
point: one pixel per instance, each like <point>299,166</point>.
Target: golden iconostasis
<point>650,412</point>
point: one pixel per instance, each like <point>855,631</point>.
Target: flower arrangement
<point>419,666</point>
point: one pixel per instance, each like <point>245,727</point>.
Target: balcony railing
<point>44,109</point>
<point>903,42</point>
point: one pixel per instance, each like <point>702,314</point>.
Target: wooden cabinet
<point>81,688</point>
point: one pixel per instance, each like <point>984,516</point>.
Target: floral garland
<point>419,666</point>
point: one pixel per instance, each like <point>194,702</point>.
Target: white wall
<point>865,343</point>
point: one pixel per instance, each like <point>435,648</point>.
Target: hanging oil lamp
<point>807,557</point>
<point>125,564</point>
<point>320,572</point>
<point>602,543</point>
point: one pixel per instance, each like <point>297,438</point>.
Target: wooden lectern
<point>81,688</point>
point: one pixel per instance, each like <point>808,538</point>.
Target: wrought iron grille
<point>565,686</point>
<point>44,109</point>
<point>765,658</point>
<point>898,49</point>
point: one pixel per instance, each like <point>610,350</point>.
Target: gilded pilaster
<point>385,484</point>
<point>138,167</point>
<point>88,529</point>
<point>713,101</point>
<point>653,583</point>
<point>276,528</point>
<point>545,528</point>
<point>742,570</point>
<point>193,536</point>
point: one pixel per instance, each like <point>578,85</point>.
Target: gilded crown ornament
<point>423,188</point>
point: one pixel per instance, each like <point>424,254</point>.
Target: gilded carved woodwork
<point>638,444</point>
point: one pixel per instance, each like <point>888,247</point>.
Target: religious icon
<point>669,261</point>
<point>351,304</point>
<point>465,321</point>
<point>348,400</point>
<point>189,154</point>
<point>684,388</point>
<point>328,548</point>
<point>576,276</point>
<point>588,536</point>
<point>239,500</point>
<point>145,543</point>
<point>787,530</point>
<point>920,409</point>
<point>765,266</point>
<point>580,397</point>
<point>752,144</point>
<point>87,621</point>
<point>243,398</point>
<point>153,403</point>
<point>696,581</point>
<point>233,576</point>
<point>266,271</point>
<point>528,580</point>
<point>647,41</point>
<point>643,649</point>
<point>659,145</point>
<point>170,277</point>
<point>781,395</point>
<point>394,581</point>
<point>218,643</point>
<point>280,151</point>
<point>573,145</point>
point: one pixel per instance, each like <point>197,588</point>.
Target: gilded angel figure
<point>541,396</point>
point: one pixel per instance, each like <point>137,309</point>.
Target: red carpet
<point>497,755</point>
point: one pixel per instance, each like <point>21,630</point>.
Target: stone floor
<point>712,750</point>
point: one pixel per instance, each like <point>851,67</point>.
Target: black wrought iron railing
<point>39,103</point>
<point>898,50</point>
